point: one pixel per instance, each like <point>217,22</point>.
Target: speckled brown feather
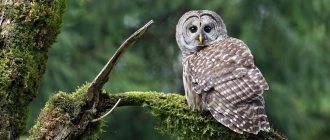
<point>224,80</point>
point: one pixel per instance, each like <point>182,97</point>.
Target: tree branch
<point>177,119</point>
<point>70,116</point>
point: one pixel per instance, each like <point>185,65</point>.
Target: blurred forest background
<point>289,40</point>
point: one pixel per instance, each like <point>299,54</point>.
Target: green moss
<point>24,44</point>
<point>64,110</point>
<point>178,120</point>
<point>93,131</point>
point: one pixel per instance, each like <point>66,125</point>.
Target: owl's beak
<point>200,38</point>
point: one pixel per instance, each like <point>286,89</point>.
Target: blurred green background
<point>289,40</point>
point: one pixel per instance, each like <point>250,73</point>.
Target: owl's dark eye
<point>207,29</point>
<point>193,29</point>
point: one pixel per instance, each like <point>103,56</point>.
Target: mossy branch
<point>177,119</point>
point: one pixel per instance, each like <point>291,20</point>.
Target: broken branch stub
<point>103,75</point>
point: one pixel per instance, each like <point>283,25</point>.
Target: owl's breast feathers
<point>232,86</point>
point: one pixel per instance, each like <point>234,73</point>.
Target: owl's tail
<point>247,116</point>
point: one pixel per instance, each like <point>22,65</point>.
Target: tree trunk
<point>28,28</point>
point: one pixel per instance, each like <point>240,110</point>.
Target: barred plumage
<point>220,76</point>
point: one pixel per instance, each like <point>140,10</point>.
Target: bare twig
<point>106,114</point>
<point>102,77</point>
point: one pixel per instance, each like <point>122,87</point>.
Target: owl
<point>219,74</point>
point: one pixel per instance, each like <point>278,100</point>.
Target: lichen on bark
<point>28,28</point>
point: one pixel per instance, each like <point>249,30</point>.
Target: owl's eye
<point>207,29</point>
<point>193,29</point>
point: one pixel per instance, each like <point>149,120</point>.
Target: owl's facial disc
<point>200,31</point>
<point>199,28</point>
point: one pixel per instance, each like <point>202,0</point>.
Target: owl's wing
<point>225,71</point>
<point>223,61</point>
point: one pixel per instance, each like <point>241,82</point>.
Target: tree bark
<point>28,28</point>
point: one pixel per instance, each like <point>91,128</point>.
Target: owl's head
<point>197,29</point>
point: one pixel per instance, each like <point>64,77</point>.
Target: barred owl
<point>219,74</point>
